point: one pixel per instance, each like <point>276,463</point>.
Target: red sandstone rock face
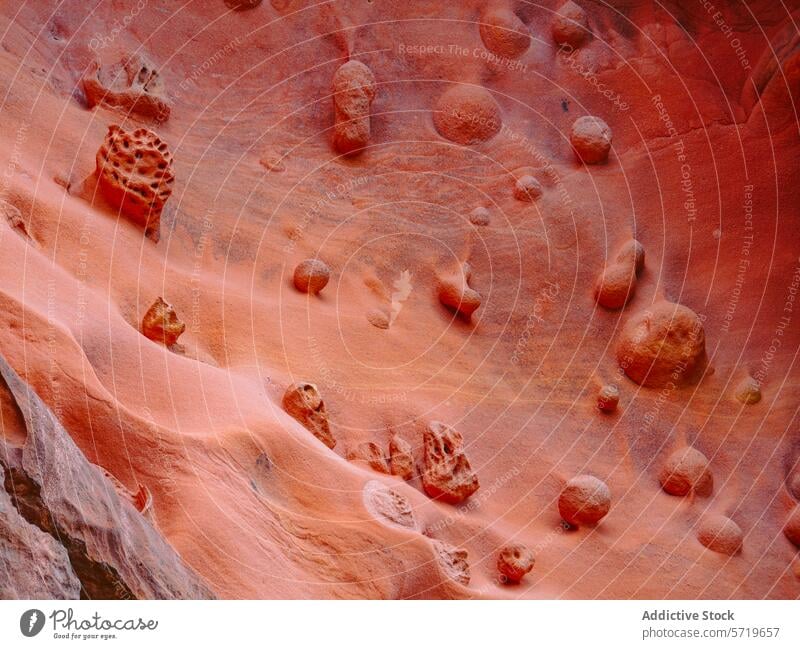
<point>87,541</point>
<point>448,474</point>
<point>134,174</point>
<point>241,491</point>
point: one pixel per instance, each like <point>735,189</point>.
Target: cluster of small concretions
<point>662,345</point>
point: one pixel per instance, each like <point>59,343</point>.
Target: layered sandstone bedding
<point>399,299</point>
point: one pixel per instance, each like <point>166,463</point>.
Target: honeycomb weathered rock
<point>134,174</point>
<point>354,90</point>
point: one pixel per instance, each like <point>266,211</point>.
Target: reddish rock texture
<point>353,92</point>
<point>448,474</point>
<point>132,87</point>
<point>687,471</point>
<point>585,500</point>
<point>303,402</point>
<point>514,562</point>
<point>702,174</point>
<point>720,534</point>
<point>134,174</point>
<point>161,324</point>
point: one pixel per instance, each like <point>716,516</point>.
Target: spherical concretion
<point>514,562</point>
<point>608,398</point>
<point>792,528</point>
<point>504,34</point>
<point>616,286</point>
<point>527,188</point>
<point>354,89</point>
<point>467,115</point>
<point>479,216</point>
<point>663,346</point>
<point>632,253</point>
<point>311,276</point>
<point>585,500</point>
<point>591,139</point>
<point>570,25</point>
<point>687,470</point>
<point>748,391</point>
<point>459,297</point>
<point>720,534</point>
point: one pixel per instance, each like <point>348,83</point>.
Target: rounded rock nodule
<point>311,276</point>
<point>585,500</point>
<point>467,115</point>
<point>591,138</point>
<point>686,471</point>
<point>514,562</point>
<point>720,534</point>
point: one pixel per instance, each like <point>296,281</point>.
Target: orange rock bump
<point>514,562</point>
<point>585,500</point>
<point>720,534</point>
<point>134,174</point>
<point>504,34</point>
<point>456,293</point>
<point>467,115</point>
<point>570,26</point>
<point>663,346</point>
<point>303,402</point>
<point>161,323</point>
<point>447,474</point>
<point>311,276</point>
<point>687,471</point>
<point>591,139</point>
<point>354,89</point>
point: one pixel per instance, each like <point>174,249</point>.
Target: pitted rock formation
<point>453,562</point>
<point>664,345</point>
<point>303,402</point>
<point>504,34</point>
<point>467,115</point>
<point>608,398</point>
<point>447,474</point>
<point>161,323</point>
<point>585,500</point>
<point>514,562</point>
<point>370,454</point>
<point>687,471</point>
<point>632,254</point>
<point>479,216</point>
<point>455,292</point>
<point>131,87</point>
<point>748,391</point>
<point>570,25</point>
<point>616,286</point>
<point>311,276</point>
<point>354,90</point>
<point>792,527</point>
<point>527,188</point>
<point>590,139</point>
<point>134,173</point>
<point>387,504</point>
<point>720,534</point>
<point>401,458</point>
